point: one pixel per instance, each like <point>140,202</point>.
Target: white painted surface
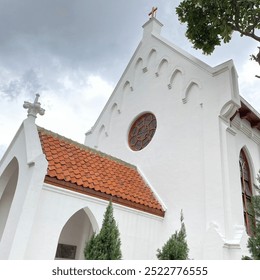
<point>192,161</point>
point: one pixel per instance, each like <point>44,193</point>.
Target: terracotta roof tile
<point>79,168</point>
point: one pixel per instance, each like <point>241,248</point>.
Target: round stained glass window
<point>142,131</point>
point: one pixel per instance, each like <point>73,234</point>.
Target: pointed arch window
<point>246,187</point>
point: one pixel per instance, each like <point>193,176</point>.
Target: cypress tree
<point>106,244</point>
<point>176,248</point>
<point>253,243</point>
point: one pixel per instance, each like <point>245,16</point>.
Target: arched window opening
<point>77,230</point>
<point>246,187</point>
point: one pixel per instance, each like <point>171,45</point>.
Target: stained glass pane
<point>134,131</point>
<point>140,122</point>
<point>249,206</point>
<point>153,124</point>
<point>133,141</point>
<point>245,172</point>
<point>247,188</point>
<point>244,204</point>
<point>145,142</point>
<point>241,169</point>
<point>151,133</point>
<point>148,119</point>
<point>242,185</point>
<point>138,145</point>
<point>245,221</point>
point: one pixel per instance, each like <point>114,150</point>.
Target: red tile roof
<point>79,168</point>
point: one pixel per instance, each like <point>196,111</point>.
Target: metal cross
<point>153,12</point>
<point>34,108</point>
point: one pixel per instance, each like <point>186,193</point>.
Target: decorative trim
<point>31,163</point>
<point>228,111</point>
<point>145,69</point>
<point>231,131</point>
<point>231,246</point>
<point>246,129</point>
<point>153,189</point>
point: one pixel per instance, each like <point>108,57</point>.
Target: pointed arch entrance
<point>8,183</point>
<point>77,230</point>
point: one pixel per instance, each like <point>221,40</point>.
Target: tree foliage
<point>253,243</point>
<point>209,22</point>
<point>176,248</point>
<point>106,244</point>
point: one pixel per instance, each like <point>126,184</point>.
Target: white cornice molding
<point>246,129</point>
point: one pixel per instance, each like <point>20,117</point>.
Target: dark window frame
<point>247,193</point>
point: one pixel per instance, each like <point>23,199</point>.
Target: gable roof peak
<point>152,26</point>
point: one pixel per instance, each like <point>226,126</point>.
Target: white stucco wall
<point>139,231</point>
<point>192,160</point>
<point>32,166</point>
<point>76,232</point>
<point>37,212</point>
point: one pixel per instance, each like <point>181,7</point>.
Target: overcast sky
<point>74,52</point>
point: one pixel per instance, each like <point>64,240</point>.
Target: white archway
<point>77,230</point>
<point>8,183</point>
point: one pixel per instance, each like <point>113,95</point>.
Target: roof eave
<point>90,192</point>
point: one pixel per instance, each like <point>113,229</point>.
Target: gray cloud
<point>79,33</point>
<point>28,84</point>
<point>41,41</point>
<point>55,46</point>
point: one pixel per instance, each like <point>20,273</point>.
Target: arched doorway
<point>77,230</point>
<point>8,183</point>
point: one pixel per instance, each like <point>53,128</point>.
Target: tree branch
<point>248,34</point>
<point>236,27</point>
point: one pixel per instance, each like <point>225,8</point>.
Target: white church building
<point>174,135</point>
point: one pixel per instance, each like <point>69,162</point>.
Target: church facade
<point>174,136</point>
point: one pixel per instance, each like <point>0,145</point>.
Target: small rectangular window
<point>65,251</point>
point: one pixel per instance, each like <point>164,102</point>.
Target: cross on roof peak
<point>34,108</point>
<point>153,12</point>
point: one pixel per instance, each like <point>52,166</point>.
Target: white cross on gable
<point>34,108</point>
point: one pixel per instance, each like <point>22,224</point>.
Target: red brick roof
<point>76,167</point>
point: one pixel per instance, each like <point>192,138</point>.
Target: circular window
<point>142,131</point>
